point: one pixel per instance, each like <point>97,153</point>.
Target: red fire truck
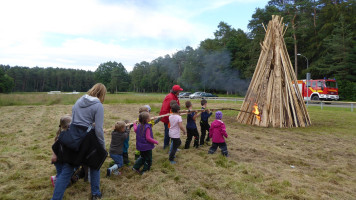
<point>319,89</point>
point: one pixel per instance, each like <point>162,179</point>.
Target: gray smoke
<point>202,70</point>
<point>218,75</point>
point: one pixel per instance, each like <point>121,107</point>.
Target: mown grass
<point>323,157</point>
<point>42,98</point>
<point>18,99</point>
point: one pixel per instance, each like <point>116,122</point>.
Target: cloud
<point>85,33</point>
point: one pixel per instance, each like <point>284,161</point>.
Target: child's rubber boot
<point>110,170</point>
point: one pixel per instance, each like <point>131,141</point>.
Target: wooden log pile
<point>274,88</point>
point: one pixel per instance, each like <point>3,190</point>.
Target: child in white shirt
<point>175,121</point>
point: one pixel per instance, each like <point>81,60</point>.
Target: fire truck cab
<point>319,89</point>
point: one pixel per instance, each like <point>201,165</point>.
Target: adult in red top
<point>173,95</point>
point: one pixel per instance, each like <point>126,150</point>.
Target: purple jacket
<point>141,142</point>
<point>217,131</point>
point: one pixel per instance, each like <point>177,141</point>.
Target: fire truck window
<point>331,84</point>
<point>308,83</point>
<point>319,84</point>
<point>314,84</point>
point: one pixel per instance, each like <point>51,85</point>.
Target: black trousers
<point>145,159</point>
<point>190,134</point>
<point>222,146</point>
<point>204,125</point>
<point>176,143</point>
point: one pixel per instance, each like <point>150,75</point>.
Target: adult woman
<point>173,95</point>
<point>87,110</point>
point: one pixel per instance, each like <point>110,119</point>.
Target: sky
<point>82,34</point>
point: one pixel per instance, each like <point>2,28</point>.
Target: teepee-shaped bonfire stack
<point>273,94</point>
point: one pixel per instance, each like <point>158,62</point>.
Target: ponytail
<point>57,134</point>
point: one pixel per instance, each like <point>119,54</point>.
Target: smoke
<point>201,70</point>
<point>218,75</point>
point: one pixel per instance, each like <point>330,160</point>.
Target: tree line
<point>321,32</point>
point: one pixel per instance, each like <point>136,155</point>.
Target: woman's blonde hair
<point>64,123</point>
<point>99,91</point>
<point>119,125</point>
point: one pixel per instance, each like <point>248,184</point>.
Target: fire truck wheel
<point>315,98</point>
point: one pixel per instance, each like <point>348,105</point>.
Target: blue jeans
<point>59,167</point>
<point>118,159</point>
<point>166,136</point>
<point>63,179</point>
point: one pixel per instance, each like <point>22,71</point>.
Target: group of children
<point>144,136</point>
<point>217,131</point>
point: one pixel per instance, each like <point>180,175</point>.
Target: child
<point>217,132</point>
<point>191,127</point>
<point>153,121</point>
<point>146,108</point>
<point>64,123</point>
<point>171,104</point>
<point>204,122</point>
<point>144,143</point>
<point>174,133</point>
<point>118,136</point>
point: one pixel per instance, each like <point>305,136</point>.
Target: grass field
<point>317,162</point>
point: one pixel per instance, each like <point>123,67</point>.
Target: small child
<point>171,104</point>
<point>146,108</point>
<point>217,132</point>
<point>192,130</point>
<point>144,143</point>
<point>204,122</point>
<point>64,124</point>
<point>118,136</point>
<point>174,133</point>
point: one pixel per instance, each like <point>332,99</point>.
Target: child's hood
<point>217,124</point>
<point>86,101</point>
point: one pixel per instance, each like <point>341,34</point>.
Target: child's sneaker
<point>53,180</point>
<point>173,162</point>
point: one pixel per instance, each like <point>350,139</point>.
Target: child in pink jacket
<point>217,132</point>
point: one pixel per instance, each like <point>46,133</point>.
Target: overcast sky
<point>84,33</point>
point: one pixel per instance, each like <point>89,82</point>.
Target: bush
<point>347,90</point>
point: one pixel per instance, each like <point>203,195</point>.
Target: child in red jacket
<point>217,132</point>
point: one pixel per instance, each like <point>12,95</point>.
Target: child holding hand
<point>175,121</point>
<point>217,132</point>
<point>144,143</point>
<point>118,137</point>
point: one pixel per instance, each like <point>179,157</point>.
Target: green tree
<point>6,82</point>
